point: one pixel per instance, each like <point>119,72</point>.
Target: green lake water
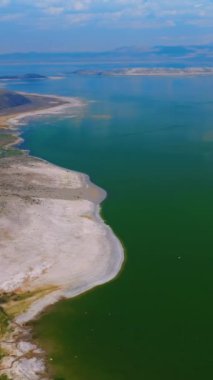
<point>153,154</point>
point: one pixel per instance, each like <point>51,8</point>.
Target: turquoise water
<point>153,154</point>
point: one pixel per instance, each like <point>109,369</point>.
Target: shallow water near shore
<point>149,143</point>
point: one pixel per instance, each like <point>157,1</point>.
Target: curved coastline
<point>77,191</point>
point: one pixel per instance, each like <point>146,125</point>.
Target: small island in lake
<point>143,71</point>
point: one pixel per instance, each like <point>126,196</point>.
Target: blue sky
<point>82,25</point>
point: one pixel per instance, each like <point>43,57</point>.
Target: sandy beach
<point>53,245</point>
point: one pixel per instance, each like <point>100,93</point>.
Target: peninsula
<point>144,71</point>
<point>53,242</point>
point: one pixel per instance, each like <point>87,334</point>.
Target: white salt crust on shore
<point>51,236</point>
<point>61,244</point>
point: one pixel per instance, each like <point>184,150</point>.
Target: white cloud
<point>67,5</point>
<point>4,3</point>
<point>79,19</point>
<point>54,10</point>
<point>119,13</point>
<point>10,17</point>
<point>81,5</point>
<point>156,7</point>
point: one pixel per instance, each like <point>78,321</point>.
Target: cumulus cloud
<point>54,10</point>
<point>133,8</point>
<point>67,5</point>
<point>123,13</point>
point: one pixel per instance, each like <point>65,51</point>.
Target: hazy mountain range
<point>193,55</point>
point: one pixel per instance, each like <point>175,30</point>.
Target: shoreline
<point>79,251</point>
<point>148,72</point>
<point>12,121</point>
<point>69,102</point>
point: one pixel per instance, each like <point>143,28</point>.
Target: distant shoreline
<point>143,71</point>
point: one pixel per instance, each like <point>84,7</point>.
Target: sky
<point>99,25</point>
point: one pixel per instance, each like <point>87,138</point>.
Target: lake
<point>149,143</point>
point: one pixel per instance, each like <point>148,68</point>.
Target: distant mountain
<point>10,99</point>
<point>171,53</point>
<point>133,49</point>
<point>156,56</point>
<point>164,49</point>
